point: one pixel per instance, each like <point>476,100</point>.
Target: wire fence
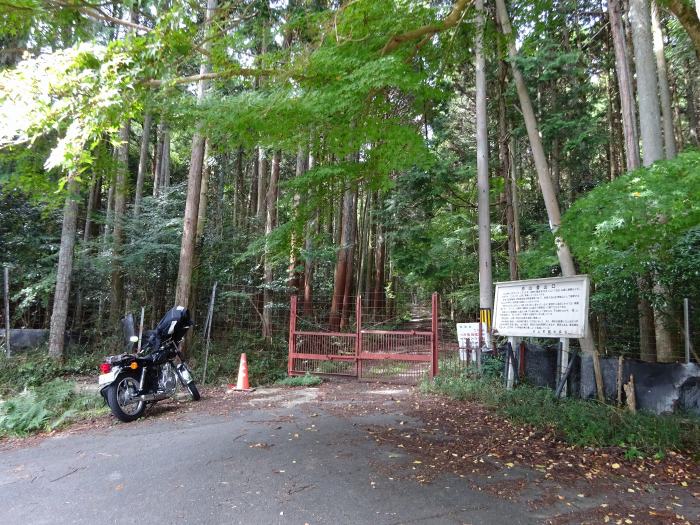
<point>249,310</point>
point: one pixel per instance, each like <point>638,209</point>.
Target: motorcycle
<point>130,381</point>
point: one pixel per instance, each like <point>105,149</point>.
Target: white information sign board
<point>556,307</point>
<point>468,338</point>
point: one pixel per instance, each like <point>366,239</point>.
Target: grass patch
<point>47,407</point>
<point>580,422</point>
<point>305,380</point>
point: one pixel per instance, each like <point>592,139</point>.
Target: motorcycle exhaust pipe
<point>150,397</point>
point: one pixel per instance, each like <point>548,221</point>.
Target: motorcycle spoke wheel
<point>119,399</point>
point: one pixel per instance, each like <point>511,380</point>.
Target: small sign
<point>556,307</point>
<point>468,338</point>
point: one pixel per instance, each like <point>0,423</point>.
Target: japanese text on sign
<point>556,307</point>
<point>468,338</point>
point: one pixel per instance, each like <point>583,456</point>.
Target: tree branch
<point>228,73</point>
<point>688,18</point>
<point>95,13</point>
<point>428,31</point>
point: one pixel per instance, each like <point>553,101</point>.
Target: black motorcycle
<point>130,381</point>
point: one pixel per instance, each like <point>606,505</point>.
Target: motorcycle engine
<point>167,380</point>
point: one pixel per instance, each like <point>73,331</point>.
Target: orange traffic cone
<point>242,384</point>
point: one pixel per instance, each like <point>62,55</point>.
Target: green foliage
<point>638,221</point>
<point>580,422</point>
<point>267,362</point>
<point>47,407</point>
<point>35,369</point>
<point>305,380</point>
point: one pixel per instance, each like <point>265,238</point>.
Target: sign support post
<point>564,365</point>
<point>510,372</point>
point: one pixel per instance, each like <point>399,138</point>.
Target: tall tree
<point>294,276</point>
<point>120,195</point>
<point>647,82</point>
<point>344,261</point>
<point>143,161</point>
<point>194,184</point>
<point>270,224</point>
<point>664,90</point>
<point>64,270</point>
<point>566,260</point>
<point>652,143</point>
<point>626,89</point>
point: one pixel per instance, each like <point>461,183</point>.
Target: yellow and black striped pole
<point>484,327</point>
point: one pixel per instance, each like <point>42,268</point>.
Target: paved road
<point>282,458</point>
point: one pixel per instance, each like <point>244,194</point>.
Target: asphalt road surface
<point>276,456</point>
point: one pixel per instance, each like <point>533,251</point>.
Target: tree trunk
<point>647,342</point>
<point>632,161</point>
<point>691,114</point>
<point>647,82</point>
<point>662,319</point>
<point>364,241</point>
<point>566,260</point>
<point>270,223</point>
<point>624,79</point>
<point>194,184</point>
<point>238,199</point>
<point>158,158</point>
<point>371,246</point>
<point>203,196</point>
<point>120,191</point>
<point>664,91</point>
<point>262,187</point>
<point>617,138</point>
<point>349,221</point>
<point>165,161</point>
<point>93,198</point>
<point>92,206</point>
<point>253,200</point>
<point>143,162</point>
<point>379,288</point>
<point>294,277</point>
<point>311,227</point>
<point>514,190</point>
<point>59,313</point>
<point>309,264</point>
<point>482,170</point>
<point>650,124</point>
<point>343,263</point>
<point>504,169</point>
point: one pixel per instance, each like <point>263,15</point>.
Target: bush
<point>34,369</point>
<point>305,380</point>
<point>267,362</point>
<point>47,407</point>
<point>580,422</point>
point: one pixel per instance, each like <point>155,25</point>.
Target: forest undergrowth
<point>584,423</point>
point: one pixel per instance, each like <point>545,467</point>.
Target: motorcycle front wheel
<point>119,396</point>
<point>186,379</point>
<point>193,391</point>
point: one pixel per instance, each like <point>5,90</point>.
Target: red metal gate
<point>387,355</point>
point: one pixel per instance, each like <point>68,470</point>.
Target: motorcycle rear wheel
<point>117,395</point>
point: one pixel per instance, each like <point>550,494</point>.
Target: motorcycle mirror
<point>134,339</point>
